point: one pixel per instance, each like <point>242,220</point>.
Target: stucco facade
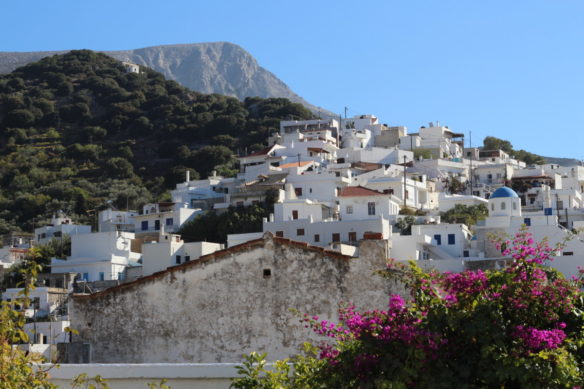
<point>229,303</point>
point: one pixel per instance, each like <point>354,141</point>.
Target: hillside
<point>77,130</point>
<point>216,67</point>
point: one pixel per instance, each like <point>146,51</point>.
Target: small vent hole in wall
<point>267,273</point>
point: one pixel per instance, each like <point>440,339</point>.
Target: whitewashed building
<point>99,256</point>
<point>171,250</point>
<point>60,227</point>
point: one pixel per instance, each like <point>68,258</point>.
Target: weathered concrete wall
<point>226,304</point>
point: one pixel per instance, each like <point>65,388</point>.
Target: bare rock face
<point>217,67</point>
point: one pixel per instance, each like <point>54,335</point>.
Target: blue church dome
<point>503,191</point>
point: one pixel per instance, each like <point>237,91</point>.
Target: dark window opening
<point>267,273</point>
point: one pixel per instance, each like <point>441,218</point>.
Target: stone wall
<point>229,303</point>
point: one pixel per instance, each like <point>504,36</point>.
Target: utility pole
<point>471,157</point>
<point>346,109</point>
<point>405,204</point>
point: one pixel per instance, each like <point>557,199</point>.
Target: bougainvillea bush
<point>517,327</point>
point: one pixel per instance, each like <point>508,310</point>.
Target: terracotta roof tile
<point>355,191</point>
<point>295,164</point>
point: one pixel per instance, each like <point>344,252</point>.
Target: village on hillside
<point>350,194</point>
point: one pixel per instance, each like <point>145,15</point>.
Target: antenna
<point>346,109</point>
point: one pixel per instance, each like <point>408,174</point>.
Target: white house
<point>359,203</point>
<point>162,216</point>
<point>171,250</point>
<point>60,226</point>
<point>44,301</point>
<point>99,256</point>
<point>15,249</point>
<point>112,220</point>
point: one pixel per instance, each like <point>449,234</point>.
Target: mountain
<point>78,130</point>
<point>563,161</point>
<point>216,67</point>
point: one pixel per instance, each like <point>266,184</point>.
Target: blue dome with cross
<point>503,191</point>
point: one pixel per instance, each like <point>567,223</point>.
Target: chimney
<point>188,176</point>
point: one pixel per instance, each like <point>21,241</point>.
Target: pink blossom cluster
<point>526,303</point>
<point>536,340</point>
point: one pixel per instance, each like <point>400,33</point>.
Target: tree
<point>467,214</point>
<point>17,367</point>
<point>118,167</point>
<point>404,224</point>
<point>517,327</point>
<point>493,143</point>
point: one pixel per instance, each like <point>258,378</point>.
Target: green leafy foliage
<point>466,214</point>
<point>73,126</point>
<point>214,226</point>
<point>493,143</point>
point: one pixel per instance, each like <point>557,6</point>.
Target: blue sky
<point>511,69</point>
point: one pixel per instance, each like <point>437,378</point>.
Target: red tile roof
<point>295,164</point>
<point>354,191</point>
<point>265,151</point>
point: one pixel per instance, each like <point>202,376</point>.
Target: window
<point>294,214</point>
<point>300,232</point>
<point>451,239</point>
<point>239,204</point>
<point>492,206</point>
<point>267,273</point>
<point>514,206</point>
<point>568,253</point>
<point>407,194</point>
<point>36,302</point>
<point>145,225</point>
<point>169,221</point>
<point>156,225</point>
<point>101,276</point>
<point>187,258</point>
<point>280,234</point>
<point>489,178</point>
<point>560,204</point>
<point>503,206</point>
<point>121,275</point>
<point>349,209</point>
<point>466,254</point>
<point>298,191</point>
<point>336,237</point>
<point>371,208</point>
<point>58,234</point>
<point>438,239</point>
<point>317,238</point>
<point>178,259</point>
<point>527,221</point>
<point>352,236</point>
<point>86,276</point>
